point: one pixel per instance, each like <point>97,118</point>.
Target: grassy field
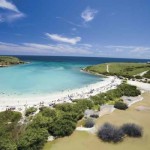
<point>9,60</point>
<point>120,68</point>
<point>85,141</point>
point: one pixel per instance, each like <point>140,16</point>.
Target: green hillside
<point>120,69</point>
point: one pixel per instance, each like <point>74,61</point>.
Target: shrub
<point>40,121</point>
<point>132,130</point>
<point>7,143</point>
<point>66,107</point>
<point>71,116</point>
<point>112,94</point>
<point>9,129</point>
<point>110,133</point>
<point>147,75</point>
<point>33,139</point>
<point>120,105</point>
<point>98,100</point>
<point>138,77</point>
<point>48,112</point>
<point>62,127</point>
<point>84,104</point>
<point>129,90</point>
<point>30,111</point>
<point>9,116</point>
<point>89,123</point>
<point>94,116</point>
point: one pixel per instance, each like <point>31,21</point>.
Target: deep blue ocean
<point>48,74</point>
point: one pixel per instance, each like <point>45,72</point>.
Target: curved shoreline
<point>60,97</point>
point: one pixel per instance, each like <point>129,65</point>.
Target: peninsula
<point>6,61</point>
<point>134,71</point>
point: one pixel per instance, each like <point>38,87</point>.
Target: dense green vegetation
<point>128,70</point>
<point>114,95</point>
<point>128,90</point>
<point>9,129</point>
<point>30,111</point>
<point>33,139</point>
<point>120,105</point>
<point>59,121</point>
<point>9,60</point>
<point>147,75</point>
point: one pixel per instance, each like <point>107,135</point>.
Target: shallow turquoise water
<point>48,74</point>
<point>43,77</point>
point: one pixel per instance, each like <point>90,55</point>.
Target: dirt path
<point>142,73</point>
<point>107,68</point>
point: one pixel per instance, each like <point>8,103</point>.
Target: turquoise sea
<point>48,74</point>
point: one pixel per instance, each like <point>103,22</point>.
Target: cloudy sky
<point>101,28</point>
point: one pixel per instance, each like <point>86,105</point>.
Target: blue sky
<point>101,28</point>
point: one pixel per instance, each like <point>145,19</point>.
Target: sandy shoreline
<point>66,96</point>
<point>21,102</point>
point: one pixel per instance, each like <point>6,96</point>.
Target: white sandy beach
<point>21,102</point>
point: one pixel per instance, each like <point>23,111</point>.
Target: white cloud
<point>11,12</point>
<point>43,49</point>
<point>59,48</point>
<point>63,39</point>
<point>88,14</point>
<point>130,51</point>
<point>73,50</point>
<point>120,46</point>
<point>140,49</point>
<point>119,50</point>
<point>8,5</point>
